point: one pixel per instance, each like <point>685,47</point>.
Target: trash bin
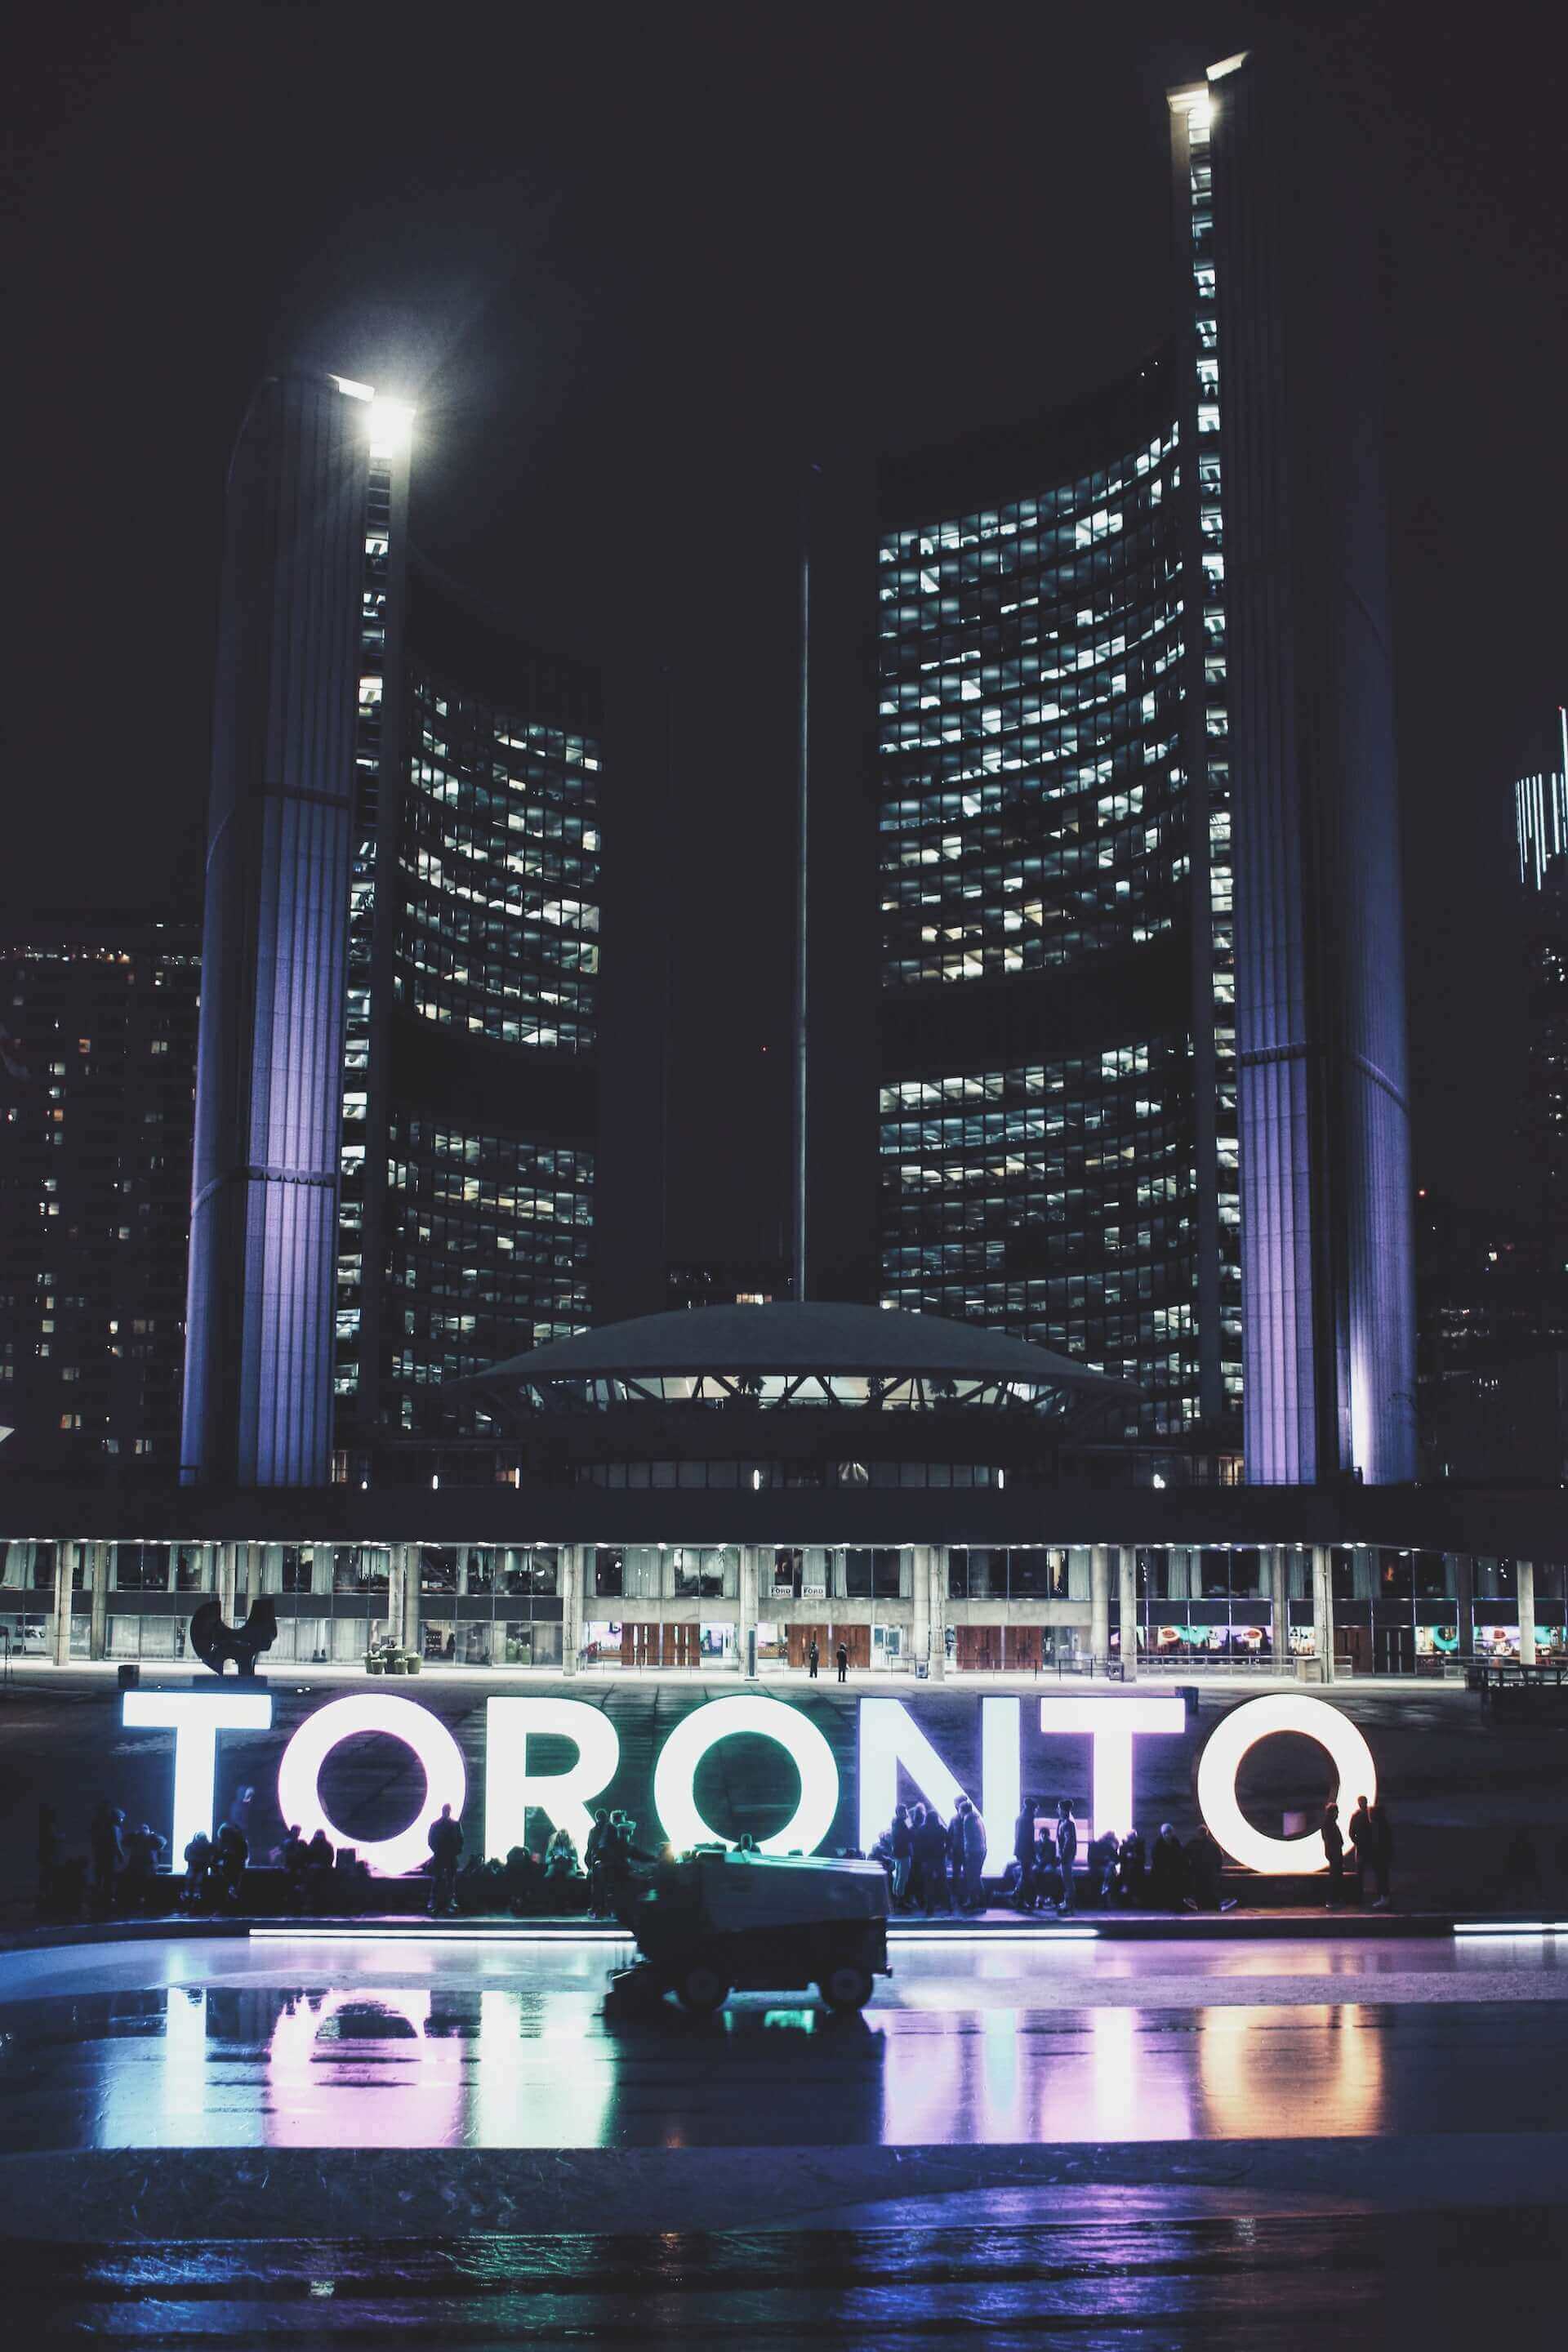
<point>129,1675</point>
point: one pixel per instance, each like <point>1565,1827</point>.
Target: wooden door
<point>682,1646</point>
<point>799,1641</point>
<point>639,1645</point>
<point>1022,1647</point>
<point>979,1647</point>
<point>857,1640</point>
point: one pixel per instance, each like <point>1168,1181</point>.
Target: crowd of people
<point>935,1865</point>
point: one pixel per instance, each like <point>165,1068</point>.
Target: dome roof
<point>785,1344</point>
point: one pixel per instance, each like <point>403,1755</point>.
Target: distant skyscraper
<point>1143,1084</point>
<point>98,1035</point>
<point>1540,832</point>
<point>397,1103</point>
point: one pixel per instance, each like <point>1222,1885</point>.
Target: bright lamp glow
<point>391,427</point>
<point>674,1793</point>
<point>1236,1734</point>
<point>195,1718</point>
<point>440,1758</point>
<point>510,1787</point>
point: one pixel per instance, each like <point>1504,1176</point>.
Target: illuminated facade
<point>395,1092</point>
<point>1142,1093</point>
<point>96,1062</point>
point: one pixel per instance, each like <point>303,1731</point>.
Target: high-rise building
<point>1143,1085</point>
<point>396,1101</point>
<point>98,1033</point>
<point>1540,832</point>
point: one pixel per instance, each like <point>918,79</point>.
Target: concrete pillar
<point>936,1586</point>
<point>1099,1607</point>
<point>1280,1605</point>
<point>97,1624</point>
<point>1324,1609</point>
<point>575,1559</point>
<point>1127,1606</point>
<point>919,1594</point>
<point>408,1633</point>
<point>1524,1584</point>
<point>223,1580</point>
<point>746,1621</point>
<point>1464,1588</point>
<point>60,1627</point>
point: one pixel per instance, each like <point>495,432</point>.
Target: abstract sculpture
<point>214,1643</point>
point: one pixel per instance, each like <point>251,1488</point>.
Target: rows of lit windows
<point>488,1248</point>
<point>1031,791</point>
<point>1058,1200</point>
<point>498,925</point>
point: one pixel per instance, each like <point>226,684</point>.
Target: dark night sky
<point>637,266</point>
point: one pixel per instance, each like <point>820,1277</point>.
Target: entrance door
<point>857,1640</point>
<point>681,1645</point>
<point>801,1638</point>
<point>1395,1646</point>
<point>639,1645</point>
<point>1353,1645</point>
<point>1022,1647</point>
<point>979,1647</point>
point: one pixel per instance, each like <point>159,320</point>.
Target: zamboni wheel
<point>701,1989</point>
<point>847,1988</point>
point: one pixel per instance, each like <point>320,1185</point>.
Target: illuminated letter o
<point>1259,1719</point>
<point>673,1778</point>
<point>441,1759</point>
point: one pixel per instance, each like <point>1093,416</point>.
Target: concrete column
<point>97,1624</point>
<point>919,1594</point>
<point>394,1592</point>
<point>1099,1607</point>
<point>1324,1609</point>
<point>1279,1604</point>
<point>223,1580</point>
<point>573,1571</point>
<point>1524,1584</point>
<point>746,1620</point>
<point>1465,1600</point>
<point>1126,1604</point>
<point>936,1586</point>
<point>408,1633</point>
<point>60,1629</point>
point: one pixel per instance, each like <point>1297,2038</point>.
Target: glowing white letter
<point>674,1793</point>
<point>510,1787</point>
<point>195,1718</point>
<point>440,1758</point>
<point>1111,1724</point>
<point>1243,1728</point>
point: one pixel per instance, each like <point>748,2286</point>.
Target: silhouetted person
<point>812,1656</point>
<point>1026,1853</point>
<point>931,1858</point>
<point>446,1840</point>
<point>593,1859</point>
<point>1067,1853</point>
<point>143,1848</point>
<point>199,1858</point>
<point>1361,1834</point>
<point>972,1855</point>
<point>901,1852</point>
<point>231,1853</point>
<point>1100,1876</point>
<point>1334,1847</point>
<point>294,1857</point>
<point>1204,1860</point>
<point>108,1850</point>
<point>842,1661</point>
<point>1167,1870</point>
<point>1132,1871</point>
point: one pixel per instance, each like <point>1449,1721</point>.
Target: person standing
<point>1067,1853</point>
<point>108,1849</point>
<point>445,1840</point>
<point>970,1827</point>
<point>593,1860</point>
<point>842,1661</point>
<point>1203,1863</point>
<point>901,1846</point>
<point>1167,1870</point>
<point>1026,1854</point>
<point>1361,1847</point>
<point>812,1656</point>
<point>1334,1847</point>
<point>931,1860</point>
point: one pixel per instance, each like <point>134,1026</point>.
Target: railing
<point>1488,1675</point>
